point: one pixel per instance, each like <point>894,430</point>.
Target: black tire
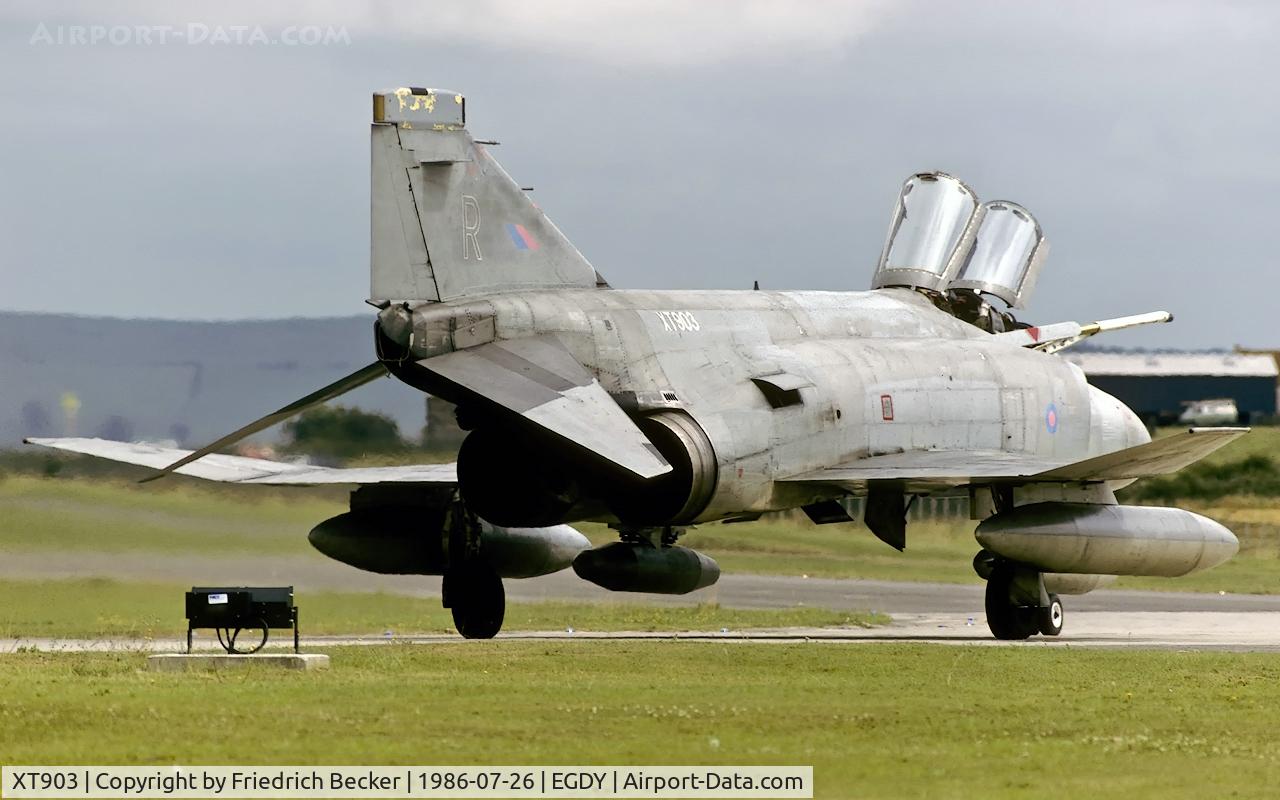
<point>1007,621</point>
<point>478,602</point>
<point>1051,617</point>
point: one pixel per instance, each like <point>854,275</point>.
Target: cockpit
<point>961,253</point>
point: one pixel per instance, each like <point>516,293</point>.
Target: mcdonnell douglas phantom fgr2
<point>654,411</point>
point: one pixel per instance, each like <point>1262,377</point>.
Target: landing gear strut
<point>1017,604</point>
<point>475,595</point>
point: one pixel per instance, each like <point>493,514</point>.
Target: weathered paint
<point>952,386</point>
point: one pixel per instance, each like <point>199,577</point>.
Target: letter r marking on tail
<point>470,226</point>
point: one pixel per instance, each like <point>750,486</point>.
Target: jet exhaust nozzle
<point>1108,539</point>
<point>640,567</point>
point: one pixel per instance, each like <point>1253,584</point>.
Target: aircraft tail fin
<point>446,220</point>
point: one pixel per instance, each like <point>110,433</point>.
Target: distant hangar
<point>1158,385</point>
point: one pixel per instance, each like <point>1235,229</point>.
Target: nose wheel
<point>1051,617</point>
<point>1017,605</point>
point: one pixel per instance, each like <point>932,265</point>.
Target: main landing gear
<point>1017,603</point>
<point>474,593</point>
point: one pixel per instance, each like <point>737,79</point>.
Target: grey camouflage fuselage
<point>883,372</point>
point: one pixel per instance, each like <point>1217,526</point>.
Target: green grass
<point>98,607</point>
<point>1241,575</point>
<point>936,551</point>
<point>113,515</point>
<point>873,720</point>
<point>91,507</point>
<point>1252,476</point>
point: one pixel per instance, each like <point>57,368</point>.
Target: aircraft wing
<point>1161,457</point>
<point>930,470</point>
<point>241,469</point>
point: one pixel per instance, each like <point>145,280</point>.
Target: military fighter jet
<point>659,410</point>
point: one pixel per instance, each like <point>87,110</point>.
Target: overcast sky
<point>679,144</point>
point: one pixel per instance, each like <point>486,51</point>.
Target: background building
<point>1158,385</point>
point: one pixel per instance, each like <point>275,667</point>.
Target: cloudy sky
<point>680,145</point>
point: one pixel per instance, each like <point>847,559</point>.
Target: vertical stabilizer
<point>446,220</point>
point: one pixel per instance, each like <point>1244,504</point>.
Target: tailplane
<point>446,220</point>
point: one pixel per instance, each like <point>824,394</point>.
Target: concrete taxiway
<point>1169,630</point>
<point>316,573</point>
<point>922,612</point>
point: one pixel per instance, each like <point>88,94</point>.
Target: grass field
<point>874,720</point>
<point>89,506</point>
<point>98,607</point>
<point>112,515</point>
<point>115,516</point>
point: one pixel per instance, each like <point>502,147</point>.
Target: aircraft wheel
<point>1051,617</point>
<point>1006,620</point>
<point>477,600</point>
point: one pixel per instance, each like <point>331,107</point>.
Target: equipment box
<point>233,610</point>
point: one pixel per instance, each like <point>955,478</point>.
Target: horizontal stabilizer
<point>1061,335</point>
<point>241,469</point>
<point>930,470</point>
<point>539,379</point>
<point>339,387</point>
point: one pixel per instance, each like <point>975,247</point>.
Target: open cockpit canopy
<point>942,240</point>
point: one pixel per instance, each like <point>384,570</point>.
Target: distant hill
<point>187,381</point>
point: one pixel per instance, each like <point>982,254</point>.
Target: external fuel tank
<point>1100,539</point>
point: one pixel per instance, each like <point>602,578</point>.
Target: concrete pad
<point>188,662</point>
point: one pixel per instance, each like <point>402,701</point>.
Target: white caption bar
<point>289,782</point>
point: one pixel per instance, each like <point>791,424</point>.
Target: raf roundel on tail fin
<point>446,220</point>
